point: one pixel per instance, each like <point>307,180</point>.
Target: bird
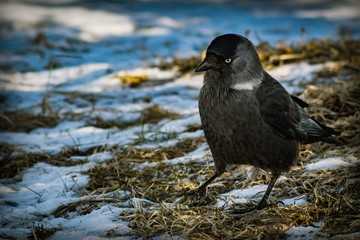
<point>248,117</point>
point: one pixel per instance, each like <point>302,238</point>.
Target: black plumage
<point>248,117</point>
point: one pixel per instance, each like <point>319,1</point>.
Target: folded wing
<point>286,116</point>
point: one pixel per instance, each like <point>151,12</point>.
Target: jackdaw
<point>247,116</point>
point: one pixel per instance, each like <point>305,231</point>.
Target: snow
<point>96,157</point>
<point>241,195</point>
<point>93,24</point>
<point>96,223</point>
<point>334,12</point>
<point>292,76</point>
<point>298,201</point>
<point>304,233</point>
<point>83,138</point>
<point>42,190</point>
<point>94,44</point>
<point>180,125</point>
<point>327,164</point>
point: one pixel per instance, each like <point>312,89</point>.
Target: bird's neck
<point>245,80</point>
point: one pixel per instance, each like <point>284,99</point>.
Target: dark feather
<point>243,125</point>
<point>299,101</point>
<point>285,114</point>
<point>277,108</point>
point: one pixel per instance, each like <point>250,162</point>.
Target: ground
<point>100,135</point>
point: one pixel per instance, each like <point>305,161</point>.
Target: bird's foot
<point>261,205</point>
<point>200,191</point>
<point>198,197</point>
<point>197,194</point>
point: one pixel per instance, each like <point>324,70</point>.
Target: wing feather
<point>286,116</point>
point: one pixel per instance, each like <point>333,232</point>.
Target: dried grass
<point>152,115</point>
<point>145,182</point>
<point>182,65</point>
<point>333,199</point>
<point>338,105</point>
<point>39,232</point>
<point>314,51</point>
<point>25,122</point>
<point>132,81</point>
<point>14,162</point>
<point>333,196</point>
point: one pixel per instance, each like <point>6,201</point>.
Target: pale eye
<point>228,60</point>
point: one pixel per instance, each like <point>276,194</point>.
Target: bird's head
<point>234,55</point>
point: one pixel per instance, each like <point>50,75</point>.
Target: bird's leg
<point>201,191</point>
<point>263,202</point>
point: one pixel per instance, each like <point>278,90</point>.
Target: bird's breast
<point>236,132</point>
<point>228,115</point>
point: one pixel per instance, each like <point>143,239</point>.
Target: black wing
<point>286,116</point>
<point>277,108</point>
<point>300,102</point>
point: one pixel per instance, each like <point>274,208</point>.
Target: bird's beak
<point>208,63</point>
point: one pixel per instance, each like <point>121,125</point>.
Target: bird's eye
<point>228,60</point>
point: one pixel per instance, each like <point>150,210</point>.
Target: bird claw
<point>198,197</point>
<point>261,205</point>
<point>240,211</point>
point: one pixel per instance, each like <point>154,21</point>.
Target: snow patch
<point>304,233</point>
<point>327,164</point>
<point>241,195</point>
<point>298,201</point>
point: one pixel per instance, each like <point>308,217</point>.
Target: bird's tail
<point>328,134</point>
<point>332,141</point>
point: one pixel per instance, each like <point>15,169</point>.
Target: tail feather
<point>327,129</point>
<point>332,141</point>
<point>308,130</point>
<point>327,135</point>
